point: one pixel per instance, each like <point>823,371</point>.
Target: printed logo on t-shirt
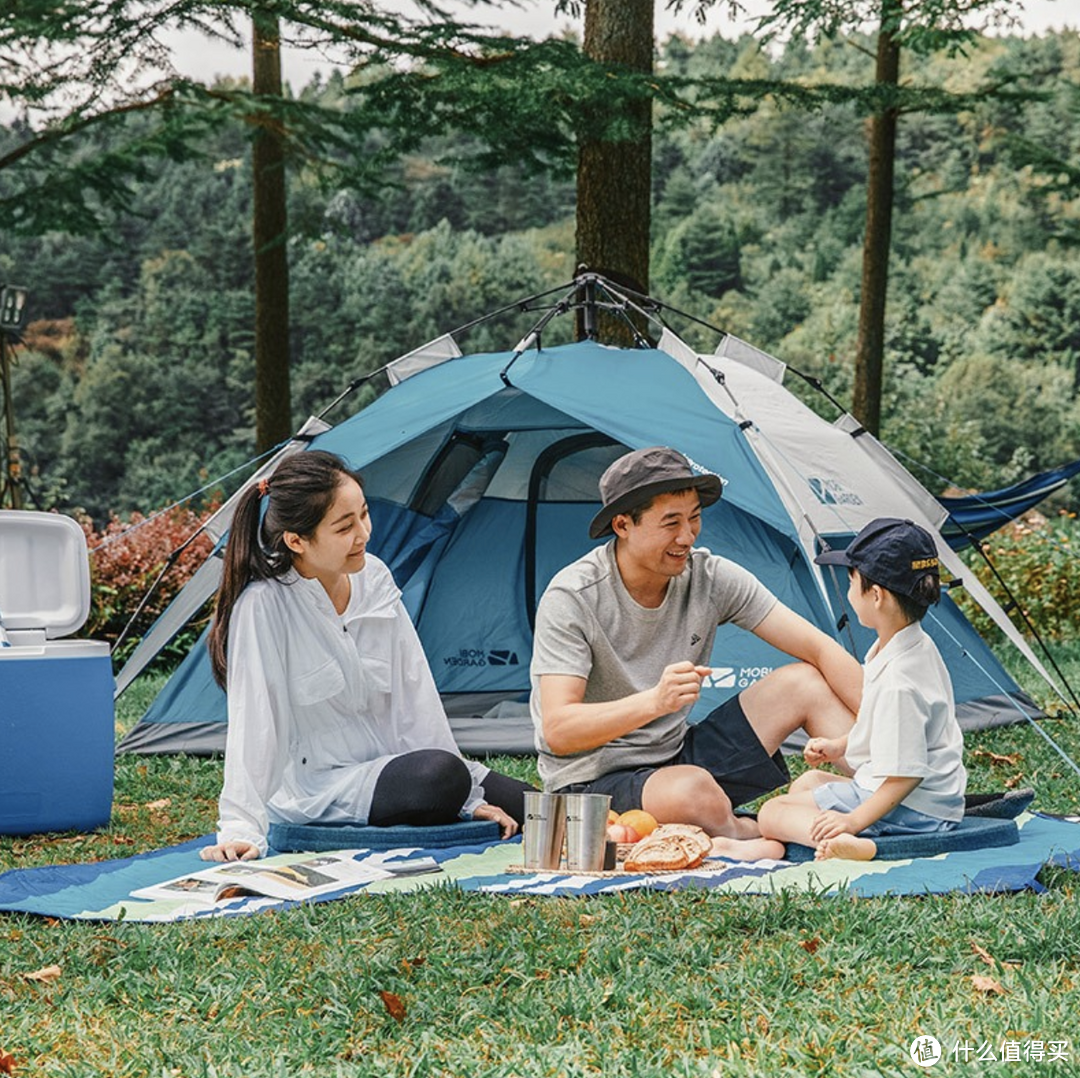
<point>695,639</point>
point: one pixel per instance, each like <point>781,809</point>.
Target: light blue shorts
<point>846,796</point>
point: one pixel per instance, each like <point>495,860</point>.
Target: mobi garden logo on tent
<point>734,677</point>
<point>832,492</point>
<point>482,657</point>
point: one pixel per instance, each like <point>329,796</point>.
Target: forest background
<point>134,382</point>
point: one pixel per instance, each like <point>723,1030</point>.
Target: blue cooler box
<point>56,696</point>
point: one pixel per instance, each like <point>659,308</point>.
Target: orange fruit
<point>642,822</point>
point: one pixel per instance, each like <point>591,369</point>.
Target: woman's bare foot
<point>849,847</point>
<point>752,849</point>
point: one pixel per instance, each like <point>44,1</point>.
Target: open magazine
<point>295,877</point>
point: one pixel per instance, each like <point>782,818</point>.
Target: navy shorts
<point>724,744</point>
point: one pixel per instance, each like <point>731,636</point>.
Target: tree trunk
<point>614,177</point>
<point>870,349</point>
<point>273,408</point>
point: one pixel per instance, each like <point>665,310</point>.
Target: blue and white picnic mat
<point>102,891</point>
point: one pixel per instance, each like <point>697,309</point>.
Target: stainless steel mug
<point>545,827</point>
<point>586,831</point>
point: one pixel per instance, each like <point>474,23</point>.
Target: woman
<point>333,712</point>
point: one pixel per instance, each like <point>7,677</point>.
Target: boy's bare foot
<point>849,847</point>
<point>753,849</point>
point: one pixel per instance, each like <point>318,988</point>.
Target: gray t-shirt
<point>587,625</point>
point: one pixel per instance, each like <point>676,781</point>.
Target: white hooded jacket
<point>320,702</point>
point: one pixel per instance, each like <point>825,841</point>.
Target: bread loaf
<point>688,830</point>
<point>665,853</point>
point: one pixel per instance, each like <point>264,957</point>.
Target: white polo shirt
<point>907,725</point>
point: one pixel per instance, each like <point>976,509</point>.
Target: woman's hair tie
<point>264,487</point>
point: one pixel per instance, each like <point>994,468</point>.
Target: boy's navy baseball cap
<point>894,553</point>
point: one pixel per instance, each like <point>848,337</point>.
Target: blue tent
<point>481,472</point>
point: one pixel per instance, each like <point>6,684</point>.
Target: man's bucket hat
<point>638,477</point>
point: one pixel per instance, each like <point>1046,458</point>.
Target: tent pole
<point>533,336</point>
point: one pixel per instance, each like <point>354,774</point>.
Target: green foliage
<point>1038,314</point>
<point>127,557</point>
<point>702,252</point>
<point>1039,562</point>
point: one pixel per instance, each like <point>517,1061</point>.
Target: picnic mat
<point>102,891</point>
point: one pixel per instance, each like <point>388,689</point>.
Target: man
<point>623,636</point>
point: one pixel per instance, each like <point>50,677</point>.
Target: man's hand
<point>230,851</point>
<point>679,686</point>
<point>493,812</point>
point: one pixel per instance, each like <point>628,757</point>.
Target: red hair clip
<point>264,487</point>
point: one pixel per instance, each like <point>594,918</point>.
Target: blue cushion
<point>1000,806</point>
<point>971,833</point>
<point>318,837</point>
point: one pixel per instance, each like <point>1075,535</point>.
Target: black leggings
<point>429,786</point>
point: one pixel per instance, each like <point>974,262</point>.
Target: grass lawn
<point>443,983</point>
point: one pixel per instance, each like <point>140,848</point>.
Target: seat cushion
<point>318,837</point>
<point>971,833</point>
<point>1000,806</point>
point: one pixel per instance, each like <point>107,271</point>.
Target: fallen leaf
<point>1010,760</point>
<point>990,960</point>
<point>7,1062</point>
<point>587,919</point>
<point>46,974</point>
<point>153,806</point>
<point>1011,784</point>
<point>987,985</point>
<point>394,1005</point>
<point>810,946</point>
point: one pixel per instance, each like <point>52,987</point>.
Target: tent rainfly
<point>481,472</point>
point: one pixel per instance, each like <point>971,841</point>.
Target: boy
<point>905,749</point>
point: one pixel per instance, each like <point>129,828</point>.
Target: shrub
<point>1038,560</point>
<point>125,560</point>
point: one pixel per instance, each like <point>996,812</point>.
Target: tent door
<point>553,455</point>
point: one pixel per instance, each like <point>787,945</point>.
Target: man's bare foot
<point>849,847</point>
<point>753,849</point>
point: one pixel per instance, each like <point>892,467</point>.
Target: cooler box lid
<point>44,573</point>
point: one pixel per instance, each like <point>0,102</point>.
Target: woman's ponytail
<point>244,560</point>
